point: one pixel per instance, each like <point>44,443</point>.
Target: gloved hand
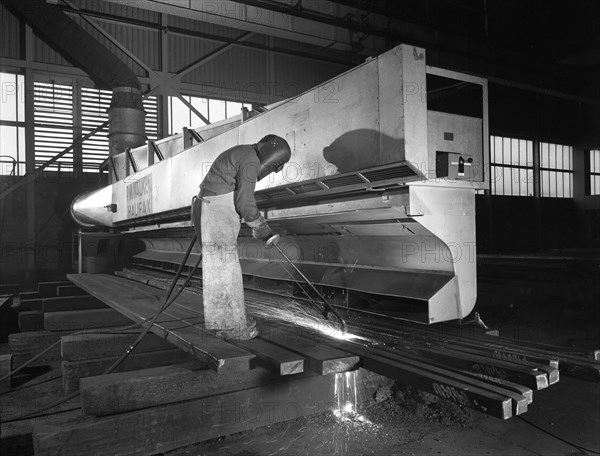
<point>260,229</point>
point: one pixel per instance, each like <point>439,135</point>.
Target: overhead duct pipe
<point>126,113</point>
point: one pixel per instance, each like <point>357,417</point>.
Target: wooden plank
<point>140,389</point>
<point>139,302</point>
<point>6,301</point>
<point>529,377</point>
<point>5,368</point>
<point>273,357</point>
<point>84,319</point>
<point>9,288</point>
<point>26,345</point>
<point>79,347</point>
<point>72,371</point>
<point>160,429</point>
<point>70,290</point>
<point>29,295</point>
<point>63,304</point>
<point>573,366</point>
<point>30,304</point>
<point>503,354</point>
<point>189,299</point>
<point>49,289</point>
<point>527,393</point>
<point>30,321</point>
<point>319,357</point>
<point>529,346</point>
<point>549,366</point>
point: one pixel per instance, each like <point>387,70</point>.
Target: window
<point>213,110</point>
<point>94,112</point>
<point>53,124</point>
<point>12,124</point>
<point>594,174</point>
<point>511,166</point>
<point>556,170</point>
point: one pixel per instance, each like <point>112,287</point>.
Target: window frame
<point>193,121</point>
<point>15,163</point>
<point>550,168</point>
<point>592,172</point>
<point>528,182</point>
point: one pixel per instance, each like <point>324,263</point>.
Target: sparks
<point>301,315</point>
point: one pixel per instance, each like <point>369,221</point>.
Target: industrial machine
<point>376,206</point>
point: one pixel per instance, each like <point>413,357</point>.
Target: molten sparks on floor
<point>347,401</point>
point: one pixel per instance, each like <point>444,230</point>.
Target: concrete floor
<point>569,410</point>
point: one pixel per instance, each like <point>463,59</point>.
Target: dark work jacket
<point>235,170</point>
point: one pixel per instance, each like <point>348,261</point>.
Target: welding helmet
<point>273,152</point>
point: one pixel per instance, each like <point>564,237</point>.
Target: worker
<point>226,194</point>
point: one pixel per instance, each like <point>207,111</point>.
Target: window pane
<point>545,182</point>
<point>522,152</point>
<point>506,156</point>
<point>201,104</point>
<point>544,155</point>
<point>560,156</point>
<point>514,147</point>
<point>523,182</point>
<point>216,110</point>
<point>9,92</point>
<point>507,181</point>
<point>497,181</point>
<point>233,109</point>
<point>498,149</point>
<point>552,156</point>
<point>595,161</point>
<point>21,98</point>
<point>516,180</point>
<point>8,142</point>
<point>12,150</point>
<point>179,114</point>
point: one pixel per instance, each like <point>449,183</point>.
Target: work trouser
<point>217,224</point>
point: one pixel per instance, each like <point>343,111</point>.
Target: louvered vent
<point>342,181</point>
<point>397,172</point>
<point>53,126</point>
<point>391,175</point>
<point>305,188</point>
<point>277,193</point>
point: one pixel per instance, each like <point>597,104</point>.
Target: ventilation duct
<point>126,113</point>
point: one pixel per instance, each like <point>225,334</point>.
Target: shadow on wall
<point>363,148</point>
